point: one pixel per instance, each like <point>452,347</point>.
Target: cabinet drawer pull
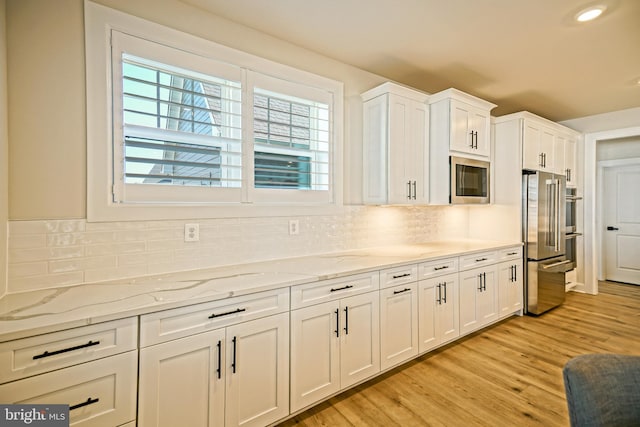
<point>65,350</point>
<point>402,291</point>
<point>512,253</point>
<point>481,259</point>
<point>87,402</point>
<point>399,276</point>
<point>342,288</point>
<point>238,310</point>
<point>441,268</point>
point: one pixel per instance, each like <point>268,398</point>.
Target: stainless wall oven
<point>571,227</point>
<point>469,181</point>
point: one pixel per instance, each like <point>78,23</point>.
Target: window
<point>192,123</point>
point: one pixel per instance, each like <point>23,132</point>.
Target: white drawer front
<point>42,353</point>
<point>181,322</point>
<point>438,268</point>
<point>398,276</point>
<point>329,290</point>
<point>510,253</point>
<point>101,393</point>
<point>478,260</point>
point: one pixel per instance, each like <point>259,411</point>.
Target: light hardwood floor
<point>509,374</point>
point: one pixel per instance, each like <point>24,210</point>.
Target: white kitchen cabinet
<point>538,146</point>
<point>570,161</point>
<point>478,298</point>
<point>99,393</point>
<point>223,363</point>
<point>559,154</point>
<point>510,287</point>
<point>459,125</point>
<point>438,311</point>
<point>234,376</point>
<point>333,346</point>
<point>398,324</point>
<point>395,145</point>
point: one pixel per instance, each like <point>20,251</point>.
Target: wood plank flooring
<point>509,374</point>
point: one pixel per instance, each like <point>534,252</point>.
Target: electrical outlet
<point>191,232</point>
<point>294,227</point>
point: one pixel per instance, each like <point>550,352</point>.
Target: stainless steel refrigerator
<point>544,237</point>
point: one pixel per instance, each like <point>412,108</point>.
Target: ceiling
<point>519,54</point>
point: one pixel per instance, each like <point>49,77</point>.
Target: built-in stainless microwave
<point>469,181</point>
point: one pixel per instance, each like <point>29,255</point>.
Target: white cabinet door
<point>182,382</point>
<point>257,371</point>
<point>510,287</point>
<point>315,354</point>
<point>570,162</point>
<point>398,324</point>
<point>438,311</point>
<point>407,149</point>
<point>359,338</point>
<point>469,129</point>
<point>558,155</point>
<point>478,298</point>
<point>538,147</point>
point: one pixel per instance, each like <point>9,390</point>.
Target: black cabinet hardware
<point>87,402</point>
<point>219,370</point>
<point>484,281</point>
<point>481,259</point>
<point>480,282</point>
<point>512,253</point>
<point>337,331</point>
<point>610,228</point>
<point>233,362</point>
<point>440,268</point>
<point>401,275</point>
<point>402,291</point>
<point>409,190</point>
<point>237,310</point>
<point>342,288</point>
<point>415,190</point>
<point>439,300</point>
<point>444,286</point>
<point>346,320</point>
<point>65,350</point>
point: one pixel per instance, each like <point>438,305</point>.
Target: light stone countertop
<point>34,312</point>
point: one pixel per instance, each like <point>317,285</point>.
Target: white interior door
<point>621,221</point>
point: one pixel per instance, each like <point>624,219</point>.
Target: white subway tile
<point>45,281</point>
<point>27,269</point>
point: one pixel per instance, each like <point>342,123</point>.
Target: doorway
<point>620,226</point>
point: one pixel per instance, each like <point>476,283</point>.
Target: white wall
<point>614,149</point>
<point>4,143</point>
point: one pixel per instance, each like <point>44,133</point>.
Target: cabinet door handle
<point>409,190</point>
<point>444,285</point>
<point>341,289</point>
<point>219,370</point>
<point>541,163</point>
<point>237,310</point>
<point>515,273</point>
<point>233,362</point>
<point>337,331</point>
<point>544,160</point>
<point>415,191</point>
<point>439,300</point>
<point>484,281</point>
<point>402,291</point>
<point>440,268</point>
<point>65,350</point>
<point>87,402</point>
<point>480,280</point>
<point>346,320</point>
<point>399,276</point>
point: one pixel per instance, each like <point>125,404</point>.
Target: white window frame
<point>99,23</point>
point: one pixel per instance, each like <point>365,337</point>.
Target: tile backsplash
<point>52,253</point>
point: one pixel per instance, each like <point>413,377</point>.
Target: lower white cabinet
<point>333,346</point>
<point>510,287</point>
<point>478,298</point>
<point>438,311</point>
<point>99,393</point>
<point>233,376</point>
<point>398,324</point>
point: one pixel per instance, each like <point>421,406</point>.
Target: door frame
<point>603,165</point>
<point>591,199</point>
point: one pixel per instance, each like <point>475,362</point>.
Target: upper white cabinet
<point>570,161</point>
<point>395,145</point>
<point>538,147</point>
<point>460,123</point>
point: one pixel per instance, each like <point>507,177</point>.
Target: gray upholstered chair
<point>603,390</point>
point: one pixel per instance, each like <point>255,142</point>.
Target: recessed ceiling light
<point>590,13</point>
